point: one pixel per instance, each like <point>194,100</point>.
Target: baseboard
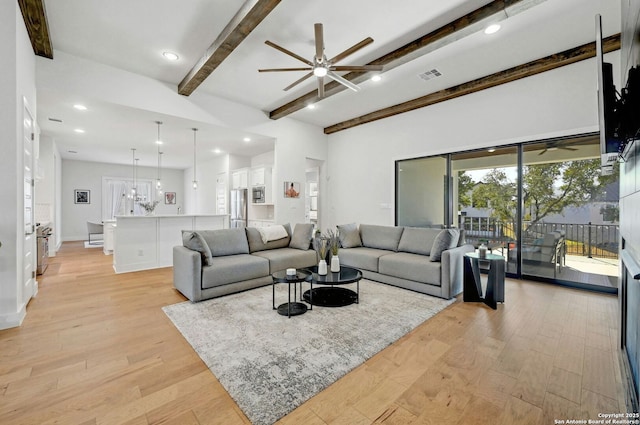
<point>13,320</point>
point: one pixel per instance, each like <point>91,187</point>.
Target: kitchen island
<point>146,242</point>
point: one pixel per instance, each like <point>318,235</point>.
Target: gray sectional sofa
<point>213,263</point>
<point>426,260</point>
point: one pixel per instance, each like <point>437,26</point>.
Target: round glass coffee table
<point>291,308</point>
<point>330,295</point>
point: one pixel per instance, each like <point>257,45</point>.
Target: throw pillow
<point>349,235</point>
<point>446,239</point>
<point>302,234</point>
<point>195,242</point>
<point>418,240</point>
<point>462,240</point>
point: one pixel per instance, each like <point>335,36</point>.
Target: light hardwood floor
<point>96,348</point>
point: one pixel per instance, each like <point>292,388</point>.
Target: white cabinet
<point>239,179</point>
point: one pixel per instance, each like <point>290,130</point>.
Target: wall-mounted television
<point>618,115</point>
<point>611,144</point>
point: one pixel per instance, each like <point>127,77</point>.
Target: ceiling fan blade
<point>319,36</point>
<point>320,87</point>
<point>284,69</point>
<point>343,81</point>
<point>543,151</point>
<point>567,148</point>
<point>363,68</point>
<point>298,81</point>
<point>288,52</point>
<point>351,50</point>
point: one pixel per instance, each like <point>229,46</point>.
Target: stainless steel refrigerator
<point>238,208</point>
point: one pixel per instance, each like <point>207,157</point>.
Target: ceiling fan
<point>555,146</point>
<point>322,67</point>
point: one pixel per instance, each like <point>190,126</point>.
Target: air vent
<point>431,74</point>
<point>55,119</point>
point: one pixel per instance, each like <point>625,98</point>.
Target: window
<point>118,199</point>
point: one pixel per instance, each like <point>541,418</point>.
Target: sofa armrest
<point>187,272</point>
<point>452,267</point>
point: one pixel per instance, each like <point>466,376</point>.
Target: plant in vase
<point>149,206</point>
<point>320,245</point>
<point>334,244</point>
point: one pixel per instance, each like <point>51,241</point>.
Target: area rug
<point>270,364</point>
<point>96,244</point>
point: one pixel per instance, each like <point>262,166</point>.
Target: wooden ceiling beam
<point>528,69</point>
<point>246,20</point>
<point>35,19</point>
<point>444,35</point>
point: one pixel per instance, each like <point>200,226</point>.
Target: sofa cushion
<point>195,242</point>
<point>226,241</point>
<point>409,266</point>
<point>446,239</point>
<point>302,234</point>
<point>233,268</point>
<point>255,240</point>
<point>380,237</point>
<point>349,235</point>
<point>418,240</point>
<point>462,240</point>
<point>285,258</point>
<point>362,258</point>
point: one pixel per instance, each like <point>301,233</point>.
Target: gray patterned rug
<point>270,364</point>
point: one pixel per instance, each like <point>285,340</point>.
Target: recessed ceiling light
<point>79,130</point>
<point>491,29</point>
<point>247,139</point>
<point>80,107</point>
<point>311,106</point>
<point>158,142</point>
<point>216,151</point>
<point>170,56</point>
<point>376,78</point>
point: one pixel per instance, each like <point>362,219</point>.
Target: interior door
<point>29,260</point>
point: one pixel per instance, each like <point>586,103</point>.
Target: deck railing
<point>588,240</point>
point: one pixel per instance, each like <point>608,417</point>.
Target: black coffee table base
<point>292,309</point>
<point>330,296</point>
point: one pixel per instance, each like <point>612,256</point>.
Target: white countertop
<point>171,215</point>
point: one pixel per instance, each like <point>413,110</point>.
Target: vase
<point>335,264</point>
<point>322,267</point>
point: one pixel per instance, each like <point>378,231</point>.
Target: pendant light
<point>158,177</point>
<point>195,179</point>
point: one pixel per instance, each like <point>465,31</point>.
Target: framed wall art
<point>291,189</point>
<point>169,198</point>
<point>82,196</point>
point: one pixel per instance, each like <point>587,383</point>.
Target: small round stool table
<point>291,308</point>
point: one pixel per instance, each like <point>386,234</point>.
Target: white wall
<point>17,80</point>
<point>88,176</point>
<point>203,199</point>
<point>361,160</point>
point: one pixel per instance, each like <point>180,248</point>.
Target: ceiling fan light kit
<point>322,67</point>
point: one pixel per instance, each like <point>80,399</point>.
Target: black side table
<point>495,282</point>
<point>291,308</point>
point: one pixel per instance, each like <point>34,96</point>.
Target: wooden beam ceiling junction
<point>246,20</point>
<point>35,19</point>
<point>455,30</point>
<point>528,69</point>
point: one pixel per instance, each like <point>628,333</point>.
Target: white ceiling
<point>132,36</point>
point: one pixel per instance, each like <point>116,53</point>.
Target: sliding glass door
<point>486,199</point>
<point>543,206</point>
